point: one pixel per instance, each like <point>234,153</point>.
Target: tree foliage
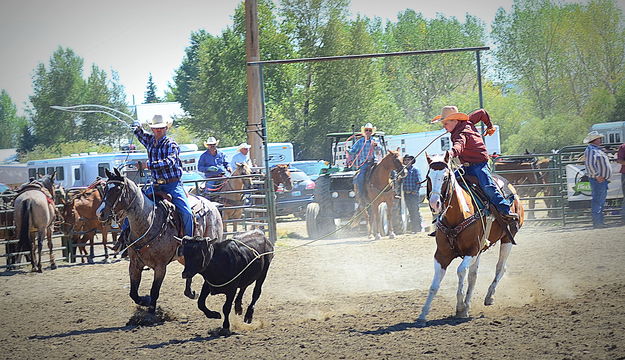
<point>10,123</point>
<point>62,83</point>
<point>150,92</point>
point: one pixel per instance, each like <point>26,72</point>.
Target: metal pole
<point>269,200</point>
<point>479,83</point>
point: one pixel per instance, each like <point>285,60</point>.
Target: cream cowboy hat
<point>450,113</point>
<point>368,126</point>
<point>211,141</point>
<point>592,136</point>
<point>158,122</point>
<point>244,146</point>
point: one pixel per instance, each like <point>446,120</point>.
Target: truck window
<point>50,170</point>
<point>614,138</point>
<point>32,173</point>
<point>101,167</point>
<point>445,144</point>
<point>41,171</point>
<point>60,174</point>
<point>77,174</point>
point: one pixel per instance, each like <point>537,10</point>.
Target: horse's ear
<point>117,173</point>
<point>53,175</point>
<point>447,157</point>
<point>107,173</point>
<point>398,149</point>
<point>428,158</point>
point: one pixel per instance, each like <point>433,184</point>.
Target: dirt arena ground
<point>563,297</point>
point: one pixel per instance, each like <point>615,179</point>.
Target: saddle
<point>173,217</point>
<point>480,200</point>
<point>36,185</point>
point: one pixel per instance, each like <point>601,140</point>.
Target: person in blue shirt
<point>213,162</point>
<point>363,154</point>
<point>242,155</point>
<point>166,167</point>
<point>411,185</point>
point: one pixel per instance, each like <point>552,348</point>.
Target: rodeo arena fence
<point>554,187</point>
<point>257,213</point>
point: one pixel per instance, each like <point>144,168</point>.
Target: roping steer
<point>227,266</point>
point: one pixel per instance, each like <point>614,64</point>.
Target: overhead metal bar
<point>367,56</point>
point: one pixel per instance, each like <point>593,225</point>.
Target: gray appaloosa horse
<point>34,214</point>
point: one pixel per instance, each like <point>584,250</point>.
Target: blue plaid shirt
<point>412,180</point>
<point>163,159</point>
<point>362,151</point>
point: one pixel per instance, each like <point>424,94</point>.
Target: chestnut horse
<point>280,174</point>
<point>235,199</point>
<point>153,238</point>
<point>379,190</point>
<point>462,231</point>
<point>80,217</point>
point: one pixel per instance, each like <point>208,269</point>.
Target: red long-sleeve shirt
<point>468,144</point>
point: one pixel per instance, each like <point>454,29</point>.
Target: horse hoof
<point>238,310</point>
<point>225,332</point>
<point>190,294</point>
<point>378,237</point>
<point>144,300</point>
<point>462,314</point>
<point>370,237</point>
<point>52,266</point>
<point>489,301</point>
<point>391,235</point>
<point>213,315</point>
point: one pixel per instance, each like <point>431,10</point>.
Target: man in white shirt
<point>599,171</point>
<point>242,155</point>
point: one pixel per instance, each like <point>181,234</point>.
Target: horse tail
<point>24,237</point>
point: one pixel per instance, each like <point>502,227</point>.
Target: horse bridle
<point>124,185</point>
<point>447,194</point>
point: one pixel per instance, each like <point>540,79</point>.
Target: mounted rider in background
<point>363,155</point>
<point>213,163</point>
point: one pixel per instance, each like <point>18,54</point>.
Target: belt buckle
<point>160,181</point>
<point>466,164</point>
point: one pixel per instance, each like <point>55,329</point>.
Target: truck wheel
<point>312,219</point>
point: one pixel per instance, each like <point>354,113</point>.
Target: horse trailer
<point>613,132</point>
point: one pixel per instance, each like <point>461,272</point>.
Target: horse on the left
<point>154,232</point>
<point>34,214</point>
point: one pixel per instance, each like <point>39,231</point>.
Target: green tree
<point>10,123</point>
<point>150,92</point>
<point>211,84</point>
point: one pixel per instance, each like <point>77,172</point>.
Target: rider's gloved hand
<point>135,125</point>
<point>490,131</point>
<point>212,168</point>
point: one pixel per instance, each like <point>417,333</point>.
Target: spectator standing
<point>598,171</point>
<point>411,186</point>
<point>620,158</point>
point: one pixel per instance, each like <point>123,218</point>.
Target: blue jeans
<point>482,173</point>
<point>412,204</point>
<point>178,198</point>
<point>623,189</point>
<point>359,179</point>
<point>599,194</point>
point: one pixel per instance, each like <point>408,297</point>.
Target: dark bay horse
<point>534,176</point>
<point>462,231</point>
<point>379,183</point>
<point>79,213</point>
<point>34,215</point>
<point>153,238</point>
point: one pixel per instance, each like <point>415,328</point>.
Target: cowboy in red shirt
<point>469,147</point>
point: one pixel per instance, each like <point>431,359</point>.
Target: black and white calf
<point>227,266</point>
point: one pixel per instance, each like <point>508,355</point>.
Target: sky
<point>139,37</point>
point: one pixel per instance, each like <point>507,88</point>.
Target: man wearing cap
<point>362,157</point>
<point>213,162</point>
<point>469,147</point>
<point>166,167</point>
<point>242,155</point>
<point>598,171</point>
<point>620,158</point>
<point>411,185</point>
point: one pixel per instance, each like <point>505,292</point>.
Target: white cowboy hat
<point>211,141</point>
<point>450,113</point>
<point>593,135</point>
<point>158,122</point>
<point>244,146</point>
<point>368,126</point>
